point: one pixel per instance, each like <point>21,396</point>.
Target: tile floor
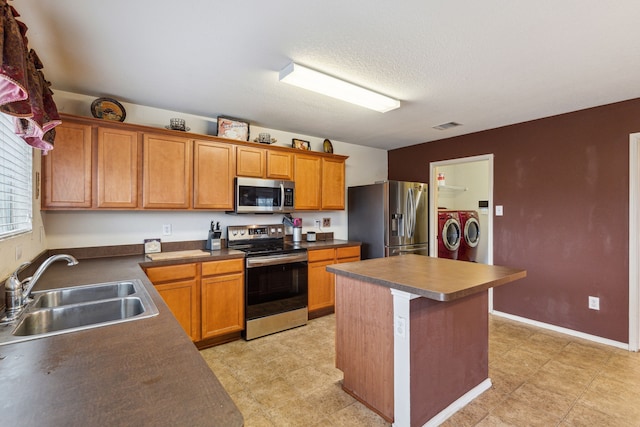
<point>540,378</point>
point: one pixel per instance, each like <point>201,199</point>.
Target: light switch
<point>499,211</point>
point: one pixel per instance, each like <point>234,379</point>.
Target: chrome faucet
<point>17,292</point>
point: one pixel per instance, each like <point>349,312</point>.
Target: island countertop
<point>434,278</point>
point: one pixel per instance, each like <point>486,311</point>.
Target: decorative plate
<point>327,146</point>
<point>187,129</point>
<point>108,109</point>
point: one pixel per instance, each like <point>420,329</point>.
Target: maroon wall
<point>564,185</point>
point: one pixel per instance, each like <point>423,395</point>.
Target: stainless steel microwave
<point>254,195</point>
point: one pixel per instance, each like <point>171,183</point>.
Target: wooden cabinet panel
<point>213,175</point>
<point>321,255</point>
<point>279,165</point>
<point>118,165</point>
<point>172,272</point>
<point>166,172</point>
<point>222,304</point>
<point>182,300</point>
<point>66,170</point>
<point>321,285</point>
<point>223,267</point>
<point>348,252</point>
<point>308,178</point>
<point>250,162</point>
<point>333,184</point>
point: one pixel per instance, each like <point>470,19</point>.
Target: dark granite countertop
<point>434,278</point>
<point>145,372</point>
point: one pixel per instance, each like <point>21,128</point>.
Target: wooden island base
<point>414,359</point>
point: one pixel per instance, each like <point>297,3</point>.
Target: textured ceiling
<point>483,64</point>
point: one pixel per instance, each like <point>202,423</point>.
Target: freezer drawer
<point>404,250</point>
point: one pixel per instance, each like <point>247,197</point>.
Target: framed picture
<point>300,144</point>
<point>233,128</point>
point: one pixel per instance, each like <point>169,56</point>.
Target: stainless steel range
<point>275,279</point>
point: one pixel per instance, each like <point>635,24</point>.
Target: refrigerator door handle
<point>411,214</point>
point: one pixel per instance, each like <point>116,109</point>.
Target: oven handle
<point>264,261</point>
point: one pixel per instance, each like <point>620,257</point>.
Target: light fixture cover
<point>297,75</point>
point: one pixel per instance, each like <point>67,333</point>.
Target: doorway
<point>468,185</point>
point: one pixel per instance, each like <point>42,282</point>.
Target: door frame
<point>634,242</point>
<point>433,210</point>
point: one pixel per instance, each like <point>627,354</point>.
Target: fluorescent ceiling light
<point>307,78</point>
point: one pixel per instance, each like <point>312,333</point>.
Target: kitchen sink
<point>79,294</point>
<point>78,316</point>
<point>78,308</point>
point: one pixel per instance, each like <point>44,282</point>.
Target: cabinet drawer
<point>348,252</point>
<point>171,272</point>
<point>213,268</point>
<point>321,255</point>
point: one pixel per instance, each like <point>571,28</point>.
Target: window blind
<point>16,158</point>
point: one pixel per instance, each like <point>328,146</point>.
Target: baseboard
<point>562,330</point>
<point>462,401</point>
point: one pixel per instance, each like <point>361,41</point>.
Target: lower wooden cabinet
<point>222,288</point>
<point>178,285</point>
<point>322,291</point>
<point>206,298</point>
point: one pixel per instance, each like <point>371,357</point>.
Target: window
<point>16,159</point>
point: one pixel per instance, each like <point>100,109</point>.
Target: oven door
<point>275,284</point>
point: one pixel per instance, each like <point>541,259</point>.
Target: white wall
<point>69,229</point>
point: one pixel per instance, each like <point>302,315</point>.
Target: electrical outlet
<point>326,222</point>
<point>18,252</point>
<point>166,230</point>
<point>594,303</point>
<point>317,223</point>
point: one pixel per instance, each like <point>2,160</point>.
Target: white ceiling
<point>484,64</point>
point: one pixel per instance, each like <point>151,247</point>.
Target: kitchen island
<point>142,372</point>
<point>412,334</point>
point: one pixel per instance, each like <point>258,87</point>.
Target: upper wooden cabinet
<point>263,163</point>
<point>213,172</point>
<point>118,164</point>
<point>100,164</point>
<point>251,162</point>
<point>66,170</point>
<point>333,184</point>
<point>166,172</point>
<point>308,178</point>
<point>320,182</point>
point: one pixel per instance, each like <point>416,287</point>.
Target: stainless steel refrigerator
<point>389,218</point>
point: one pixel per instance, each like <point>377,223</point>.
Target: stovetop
<point>256,240</point>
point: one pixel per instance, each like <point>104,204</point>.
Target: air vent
<point>446,126</point>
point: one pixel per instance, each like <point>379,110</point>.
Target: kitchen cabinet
<point>251,162</point>
<point>264,163</point>
<point>118,163</point>
<point>213,173</point>
<point>308,179</point>
<point>222,289</point>
<point>66,170</point>
<point>166,172</point>
<point>333,183</point>
<point>179,288</point>
<point>321,282</point>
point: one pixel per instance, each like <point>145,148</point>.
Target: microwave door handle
<point>281,196</point>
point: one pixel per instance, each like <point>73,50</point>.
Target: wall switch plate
<point>166,230</point>
<point>594,303</point>
<point>326,222</point>
<point>499,210</point>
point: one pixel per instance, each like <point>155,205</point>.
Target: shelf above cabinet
<point>451,188</point>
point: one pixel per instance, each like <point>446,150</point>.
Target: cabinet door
<point>118,165</point>
<point>348,254</point>
<point>307,176</point>
<point>279,165</point>
<point>213,175</point>
<point>182,300</point>
<point>333,184</point>
<point>222,304</point>
<point>166,172</point>
<point>321,285</point>
<point>250,162</point>
<point>66,170</point>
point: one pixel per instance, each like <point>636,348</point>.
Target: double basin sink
<point>78,308</point>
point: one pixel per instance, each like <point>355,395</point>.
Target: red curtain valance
<point>25,94</point>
